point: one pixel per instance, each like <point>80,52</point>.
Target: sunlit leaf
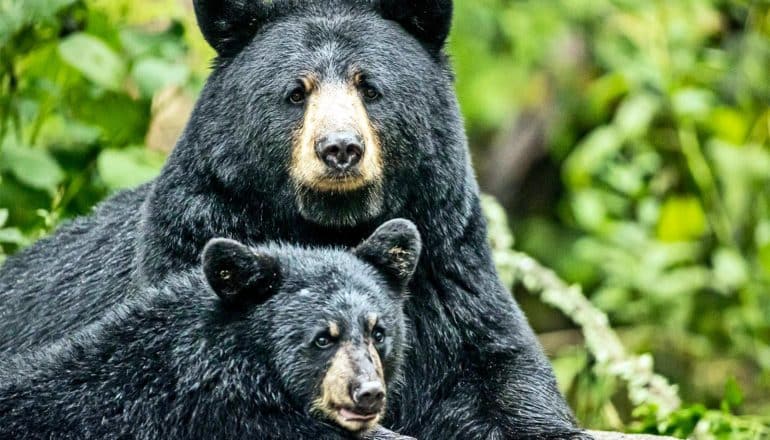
<point>634,115</point>
<point>681,219</point>
<point>12,236</point>
<point>15,14</point>
<point>728,125</point>
<point>94,59</point>
<point>730,268</point>
<point>693,103</point>
<point>154,74</point>
<point>591,154</point>
<point>733,395</point>
<point>128,168</point>
<point>33,167</point>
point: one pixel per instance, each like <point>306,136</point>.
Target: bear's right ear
<point>228,25</point>
<point>394,248</point>
<point>239,275</point>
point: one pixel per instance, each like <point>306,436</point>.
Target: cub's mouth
<point>355,419</point>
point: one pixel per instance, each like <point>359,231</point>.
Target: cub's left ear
<point>428,20</point>
<point>239,275</point>
<point>394,248</point>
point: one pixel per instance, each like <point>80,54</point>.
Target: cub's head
<point>337,328</point>
<point>337,102</point>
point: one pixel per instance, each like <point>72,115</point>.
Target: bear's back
<point>52,282</point>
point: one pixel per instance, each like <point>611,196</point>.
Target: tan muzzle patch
<point>335,388</point>
<point>331,108</point>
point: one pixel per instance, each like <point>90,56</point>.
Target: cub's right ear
<point>228,25</point>
<point>394,248</point>
<point>239,275</point>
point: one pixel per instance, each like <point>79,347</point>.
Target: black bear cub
<point>266,342</point>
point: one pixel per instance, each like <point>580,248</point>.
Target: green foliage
<point>657,122</point>
<point>76,100</point>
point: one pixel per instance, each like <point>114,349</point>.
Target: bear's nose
<point>340,151</point>
<point>369,397</point>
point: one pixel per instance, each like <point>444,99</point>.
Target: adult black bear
<point>273,342</point>
<point>320,120</point>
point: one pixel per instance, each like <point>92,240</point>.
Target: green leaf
<point>733,395</point>
<point>94,59</point>
<point>681,219</point>
<point>566,367</point>
<point>130,167</point>
<point>12,236</point>
<point>121,119</point>
<point>16,14</point>
<point>60,133</point>
<point>33,167</point>
<point>591,154</point>
<point>3,217</point>
<point>691,103</point>
<point>730,269</point>
<point>154,74</point>
<point>728,125</point>
<point>635,114</point>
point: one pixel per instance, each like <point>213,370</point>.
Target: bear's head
<point>334,104</point>
<point>336,326</point>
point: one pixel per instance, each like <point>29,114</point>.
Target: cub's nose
<point>340,151</point>
<point>369,397</point>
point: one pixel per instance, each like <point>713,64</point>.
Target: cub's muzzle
<point>368,397</point>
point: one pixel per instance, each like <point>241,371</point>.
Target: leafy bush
<point>657,122</point>
<point>76,105</point>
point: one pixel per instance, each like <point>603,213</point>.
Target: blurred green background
<point>628,141</point>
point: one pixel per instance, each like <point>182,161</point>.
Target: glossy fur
<point>476,370</point>
<point>185,361</point>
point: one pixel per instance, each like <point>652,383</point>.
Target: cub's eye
<point>370,93</point>
<point>323,341</point>
<point>297,96</point>
<point>378,336</point>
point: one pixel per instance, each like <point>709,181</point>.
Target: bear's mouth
<point>340,182</point>
<point>339,208</point>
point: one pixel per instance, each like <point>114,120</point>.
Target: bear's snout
<point>341,151</point>
<point>336,148</point>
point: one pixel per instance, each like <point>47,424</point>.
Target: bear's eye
<point>379,336</point>
<point>297,96</point>
<point>322,341</point>
<point>370,93</point>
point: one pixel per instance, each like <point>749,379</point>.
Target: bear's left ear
<point>239,275</point>
<point>228,25</point>
<point>394,248</point>
<point>428,20</point>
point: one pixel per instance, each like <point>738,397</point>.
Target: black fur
<point>394,249</point>
<point>428,20</point>
<point>237,274</point>
<point>476,370</point>
<point>178,362</point>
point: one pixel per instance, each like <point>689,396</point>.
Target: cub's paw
<point>381,433</point>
